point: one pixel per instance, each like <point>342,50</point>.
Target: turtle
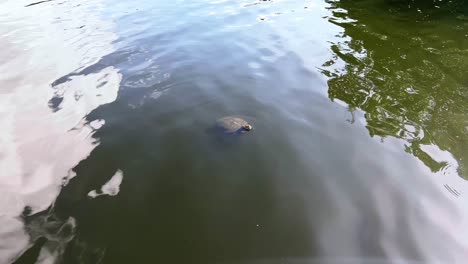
<point>233,125</point>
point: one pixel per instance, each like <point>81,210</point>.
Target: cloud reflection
<point>40,146</point>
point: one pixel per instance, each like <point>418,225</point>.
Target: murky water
<point>359,152</point>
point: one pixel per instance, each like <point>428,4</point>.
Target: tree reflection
<point>404,63</point>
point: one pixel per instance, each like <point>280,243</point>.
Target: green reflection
<point>405,64</point>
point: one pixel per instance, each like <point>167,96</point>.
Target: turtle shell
<point>232,124</point>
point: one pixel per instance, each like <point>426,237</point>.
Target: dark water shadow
<point>187,194</point>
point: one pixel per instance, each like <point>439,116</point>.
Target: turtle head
<point>247,127</point>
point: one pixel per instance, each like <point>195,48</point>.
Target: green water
<point>406,65</point>
<point>358,154</point>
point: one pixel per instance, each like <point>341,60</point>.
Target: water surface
<point>358,153</point>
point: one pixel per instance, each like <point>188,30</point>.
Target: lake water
<point>359,152</point>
